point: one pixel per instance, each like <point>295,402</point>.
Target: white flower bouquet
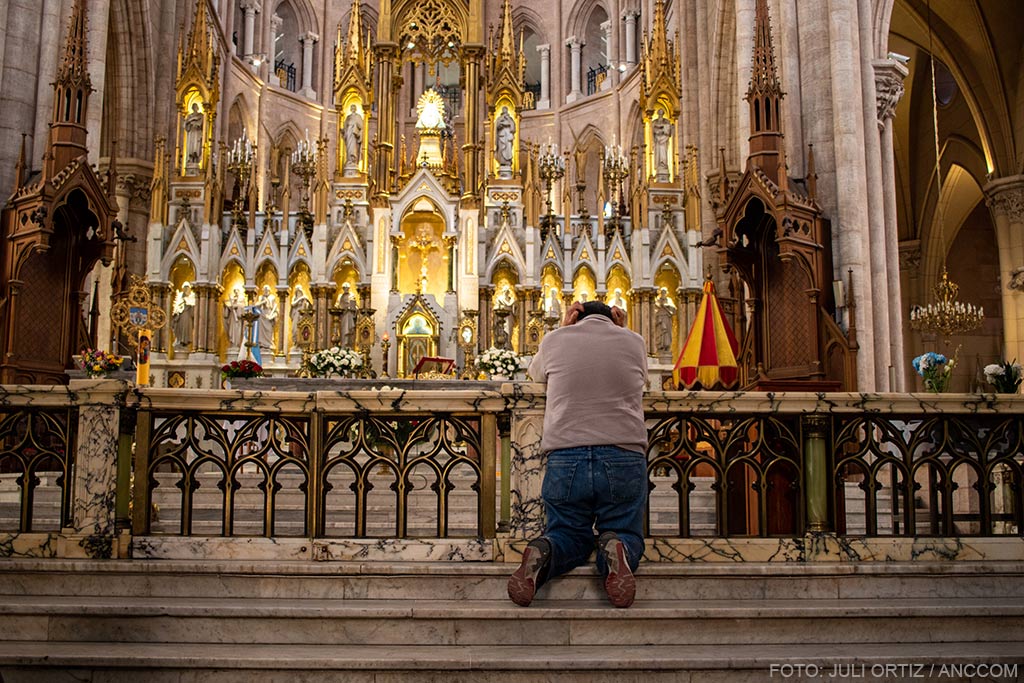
<point>498,362</point>
<point>335,361</point>
<point>1005,377</point>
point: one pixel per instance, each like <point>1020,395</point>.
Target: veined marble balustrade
<point>369,470</point>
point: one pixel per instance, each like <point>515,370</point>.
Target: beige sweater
<point>596,373</point>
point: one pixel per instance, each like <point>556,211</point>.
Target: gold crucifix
<point>423,242</point>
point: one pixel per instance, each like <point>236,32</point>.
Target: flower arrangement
<point>335,361</point>
<point>97,363</point>
<point>936,370</point>
<point>1005,377</point>
<point>498,362</point>
<point>241,368</point>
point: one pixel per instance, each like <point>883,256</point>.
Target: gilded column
<point>386,54</point>
<point>282,311</point>
<point>472,54</point>
<point>321,302</point>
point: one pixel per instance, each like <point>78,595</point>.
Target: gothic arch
<point>579,16</point>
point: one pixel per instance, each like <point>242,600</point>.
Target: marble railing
<point>146,466</point>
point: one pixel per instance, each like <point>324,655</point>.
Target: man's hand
<point>572,314</point>
<point>618,316</point>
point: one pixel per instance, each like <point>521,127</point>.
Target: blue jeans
<point>602,487</point>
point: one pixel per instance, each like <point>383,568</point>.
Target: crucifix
<point>424,243</point>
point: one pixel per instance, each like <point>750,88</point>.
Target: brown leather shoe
<point>523,584</point>
<point>619,584</point>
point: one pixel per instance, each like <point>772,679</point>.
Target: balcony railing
<point>101,459</point>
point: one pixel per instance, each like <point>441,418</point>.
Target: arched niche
<point>419,333</point>
<point>422,258</point>
<point>584,284</point>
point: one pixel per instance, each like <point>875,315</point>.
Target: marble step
<point>57,662</point>
<point>481,622</point>
<point>486,581</point>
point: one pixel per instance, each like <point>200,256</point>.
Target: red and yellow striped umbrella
<point>708,357</point>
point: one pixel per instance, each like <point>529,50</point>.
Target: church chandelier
<point>946,315</point>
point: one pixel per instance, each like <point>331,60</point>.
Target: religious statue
<point>348,316</point>
<point>661,131</point>
<point>504,136</point>
<point>266,305</point>
<point>233,323</point>
<point>193,139</point>
<point>664,316</point>
<point>300,304</point>
<point>353,132</point>
<point>505,297</point>
<point>617,299</point>
<point>182,311</point>
<point>553,305</point>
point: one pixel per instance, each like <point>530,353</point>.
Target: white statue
<point>553,305</point>
<point>664,316</point>
<point>661,131</point>
<point>233,309</point>
<point>194,138</point>
<point>617,299</point>
<point>182,311</point>
<point>268,309</point>
<point>300,304</point>
<point>353,140</point>
<point>347,304</point>
<point>504,135</point>
<point>505,297</point>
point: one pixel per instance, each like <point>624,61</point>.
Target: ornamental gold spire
<point>660,86</point>
<point>197,93</point>
<point>353,95</point>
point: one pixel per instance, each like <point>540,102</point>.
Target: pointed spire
<point>507,35</point>
<point>764,76</point>
<point>74,66</point>
<point>354,51</point>
<point>812,175</point>
<point>20,167</point>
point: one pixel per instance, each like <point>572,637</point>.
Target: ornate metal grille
<point>35,469</point>
<point>321,475</point>
<point>934,475</point>
<point>724,475</point>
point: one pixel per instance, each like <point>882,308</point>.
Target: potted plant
<point>242,369</point>
<point>498,363</point>
<point>335,361</point>
<point>98,363</point>
<point>1004,376</point>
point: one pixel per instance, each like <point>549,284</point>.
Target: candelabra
<point>551,166</point>
<point>304,164</point>
<point>240,162</point>
<point>249,318</point>
<point>947,315</point>
<point>616,169</point>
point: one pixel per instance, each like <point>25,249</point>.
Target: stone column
<point>417,86</point>
<point>251,8</point>
<point>630,18</point>
<point>95,472</point>
<point>1005,199</point>
<point>575,54</point>
<point>889,75</point>
<point>275,26</point>
<point>545,76</point>
<point>308,40</point>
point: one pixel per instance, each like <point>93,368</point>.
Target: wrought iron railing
<point>596,76</point>
<point>286,74</point>
<point>465,463</point>
<point>36,462</point>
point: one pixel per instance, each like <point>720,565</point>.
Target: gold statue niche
<point>423,260</point>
